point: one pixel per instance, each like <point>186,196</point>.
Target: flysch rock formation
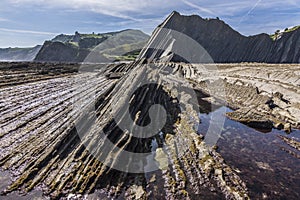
<point>262,96</point>
<point>43,148</point>
<point>274,95</point>
<point>226,45</point>
<point>49,154</point>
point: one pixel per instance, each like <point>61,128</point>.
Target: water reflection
<point>260,157</point>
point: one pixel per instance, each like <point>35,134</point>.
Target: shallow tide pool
<point>268,165</point>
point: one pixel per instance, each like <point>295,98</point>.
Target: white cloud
<point>27,31</point>
<point>127,9</point>
<point>200,8</point>
<point>117,8</point>
<point>234,7</point>
<point>251,10</point>
<point>248,16</point>
<point>4,20</point>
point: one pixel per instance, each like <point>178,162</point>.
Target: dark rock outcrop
<point>224,44</point>
<point>90,42</point>
<point>60,52</point>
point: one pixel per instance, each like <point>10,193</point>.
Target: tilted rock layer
<point>226,45</point>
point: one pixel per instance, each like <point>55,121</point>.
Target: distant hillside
<point>222,43</point>
<point>105,47</point>
<point>19,54</point>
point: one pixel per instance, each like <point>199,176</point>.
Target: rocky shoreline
<point>263,95</point>
<point>41,148</point>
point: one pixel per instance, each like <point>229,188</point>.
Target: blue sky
<point>25,23</point>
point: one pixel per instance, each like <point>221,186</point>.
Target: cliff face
<point>61,52</point>
<point>224,44</point>
<point>19,54</point>
<point>105,47</point>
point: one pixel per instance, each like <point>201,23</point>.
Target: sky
<point>26,23</point>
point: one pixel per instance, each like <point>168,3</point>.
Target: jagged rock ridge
<point>226,45</point>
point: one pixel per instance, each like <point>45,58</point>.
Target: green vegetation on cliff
<point>278,34</point>
<point>102,47</point>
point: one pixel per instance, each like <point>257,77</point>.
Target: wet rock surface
<point>263,96</point>
<point>42,150</point>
